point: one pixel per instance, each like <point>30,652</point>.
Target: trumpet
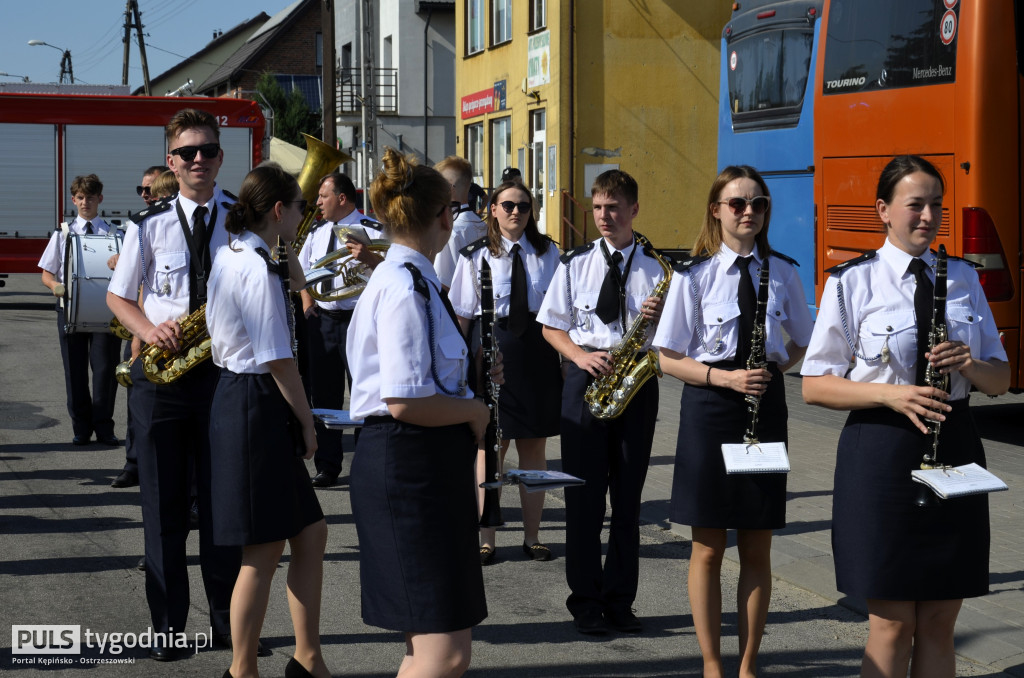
<point>354,274</point>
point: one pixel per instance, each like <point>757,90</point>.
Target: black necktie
<point>924,297</point>
<point>519,303</point>
<point>88,228</point>
<point>748,308</point>
<point>608,301</point>
<point>199,269</point>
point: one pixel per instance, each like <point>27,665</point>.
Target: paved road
<point>70,543</point>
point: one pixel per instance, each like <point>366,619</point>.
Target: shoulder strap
<point>230,195</point>
<point>691,261</point>
<point>782,256</point>
<point>839,268</point>
<point>573,252</point>
<point>418,283</point>
<point>155,208</point>
<point>468,250</point>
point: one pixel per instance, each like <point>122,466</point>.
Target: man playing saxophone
<point>169,250</point>
<point>596,293</point>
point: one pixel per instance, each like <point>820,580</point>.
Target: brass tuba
<point>162,366</point>
<point>609,394</point>
<point>354,274</point>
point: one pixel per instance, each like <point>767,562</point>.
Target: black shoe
<point>487,555</point>
<point>294,669</point>
<point>537,551</point>
<point>81,440</point>
<point>325,479</point>
<point>591,624</point>
<point>141,566</point>
<point>125,479</point>
<point>624,621</point>
<point>109,441</point>
<point>227,674</point>
<point>163,653</point>
<point>222,641</point>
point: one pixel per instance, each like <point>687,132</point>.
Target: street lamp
<point>23,78</point>
<point>65,62</point>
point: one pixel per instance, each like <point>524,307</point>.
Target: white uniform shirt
<point>246,313</point>
<point>315,248</point>
<point>388,343</point>
<point>53,256</point>
<point>159,242</point>
<point>572,306</point>
<point>467,228</point>
<point>879,310</point>
<point>717,281</point>
<point>465,289</point>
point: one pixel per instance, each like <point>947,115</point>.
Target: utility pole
<point>367,87</point>
<point>132,19</point>
<point>328,73</point>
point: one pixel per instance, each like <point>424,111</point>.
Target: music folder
<point>538,481</point>
<point>959,481</point>
<point>755,458</point>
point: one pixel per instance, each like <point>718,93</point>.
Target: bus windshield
<point>880,44</point>
<point>768,73</point>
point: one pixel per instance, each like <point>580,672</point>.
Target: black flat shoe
<point>537,551</point>
<point>626,621</point>
<point>80,440</point>
<point>487,555</point>
<point>294,669</point>
<point>591,624</point>
<point>109,441</point>
<point>125,479</point>
<point>324,479</point>
<point>227,674</point>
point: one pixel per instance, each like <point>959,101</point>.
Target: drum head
<point>86,278</point>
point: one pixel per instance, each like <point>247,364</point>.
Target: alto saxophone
<point>758,358</point>
<point>164,366</point>
<point>608,395</point>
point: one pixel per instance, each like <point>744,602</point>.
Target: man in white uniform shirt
<point>468,227</point>
<point>169,251</point>
<point>79,350</point>
<point>327,321</point>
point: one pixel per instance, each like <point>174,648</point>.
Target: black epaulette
<point>689,262</point>
<point>566,256</point>
<point>372,223</point>
<point>155,208</point>
<point>229,194</point>
<point>418,283</point>
<point>839,268</point>
<point>468,250</point>
<point>782,256</point>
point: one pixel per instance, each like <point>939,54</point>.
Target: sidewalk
<point>990,630</point>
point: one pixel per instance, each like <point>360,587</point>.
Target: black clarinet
<point>490,515</point>
<point>758,358</point>
<point>937,334</point>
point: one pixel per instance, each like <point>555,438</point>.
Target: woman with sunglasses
<point>913,564</point>
<point>412,475</point>
<point>705,339</point>
<point>522,262</point>
<point>259,407</point>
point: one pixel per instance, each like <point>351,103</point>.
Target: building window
<point>538,14</point>
<point>501,21</point>
<point>319,51</point>
<point>475,26</point>
<point>501,147</point>
<point>475,150</point>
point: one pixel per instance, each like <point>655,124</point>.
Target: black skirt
<point>886,546</point>
<point>262,491</point>
<point>703,494</point>
<point>414,504</point>
<point>530,400</point>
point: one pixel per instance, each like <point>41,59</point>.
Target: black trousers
<point>131,462</point>
<point>612,457</point>
<point>171,425</point>
<point>81,351</point>
<point>328,372</point>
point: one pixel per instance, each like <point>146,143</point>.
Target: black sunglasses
<point>188,153</point>
<point>508,206</point>
<point>739,205</point>
<point>142,189</point>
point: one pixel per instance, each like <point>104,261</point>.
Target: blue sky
<point>92,30</point>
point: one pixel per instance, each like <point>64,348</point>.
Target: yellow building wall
<point>631,83</point>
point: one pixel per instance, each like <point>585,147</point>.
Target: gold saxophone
<point>608,395</point>
<point>163,366</point>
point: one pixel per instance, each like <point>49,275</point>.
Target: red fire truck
<point>49,139</point>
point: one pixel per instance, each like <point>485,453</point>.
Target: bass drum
<point>86,277</point>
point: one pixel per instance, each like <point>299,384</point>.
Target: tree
<point>292,115</point>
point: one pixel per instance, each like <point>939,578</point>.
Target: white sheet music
<point>537,481</point>
<point>755,458</point>
<point>959,481</point>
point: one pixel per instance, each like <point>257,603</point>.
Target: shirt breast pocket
<point>170,271</point>
<point>502,290</point>
<point>452,354</point>
<point>890,333</point>
<point>962,323</point>
<point>585,306</point>
<point>718,318</point>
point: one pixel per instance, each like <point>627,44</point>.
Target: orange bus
<point>940,79</point>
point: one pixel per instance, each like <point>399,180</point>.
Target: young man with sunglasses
<point>468,226</point>
<point>169,251</point>
<point>327,321</point>
<point>596,293</point>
